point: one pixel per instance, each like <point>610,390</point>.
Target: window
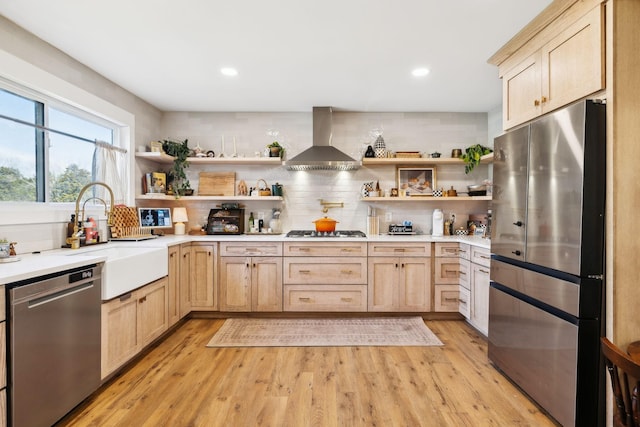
<point>48,148</point>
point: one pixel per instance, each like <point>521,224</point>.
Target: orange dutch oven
<point>325,224</point>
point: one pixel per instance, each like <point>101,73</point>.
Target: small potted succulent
<point>275,149</point>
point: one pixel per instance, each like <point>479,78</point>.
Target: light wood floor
<point>182,383</point>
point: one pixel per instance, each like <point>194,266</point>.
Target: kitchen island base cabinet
<point>203,261</point>
<point>132,321</point>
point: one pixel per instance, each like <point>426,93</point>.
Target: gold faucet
<point>74,240</point>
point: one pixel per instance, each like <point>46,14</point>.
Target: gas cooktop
<point>313,233</point>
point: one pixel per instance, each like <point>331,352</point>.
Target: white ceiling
<point>290,54</point>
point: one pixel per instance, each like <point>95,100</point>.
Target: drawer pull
<point>346,271</point>
<point>451,271</point>
<point>304,299</point>
<point>451,299</point>
<point>461,251</point>
<point>462,272</point>
<point>461,301</point>
<point>126,296</point>
<point>304,271</point>
<point>346,299</point>
<point>398,249</point>
<point>483,271</point>
<point>485,257</point>
<point>304,249</point>
<point>346,250</point>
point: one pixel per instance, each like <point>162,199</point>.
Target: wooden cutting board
<point>217,184</point>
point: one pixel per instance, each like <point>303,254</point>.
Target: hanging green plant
<point>180,151</point>
<point>472,156</point>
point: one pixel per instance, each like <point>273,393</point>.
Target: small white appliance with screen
<point>155,217</point>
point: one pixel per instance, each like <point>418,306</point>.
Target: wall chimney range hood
<point>322,155</point>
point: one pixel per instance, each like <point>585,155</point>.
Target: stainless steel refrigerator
<point>547,267</point>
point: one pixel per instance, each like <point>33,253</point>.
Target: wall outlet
<point>388,217</point>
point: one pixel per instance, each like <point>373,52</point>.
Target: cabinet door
<point>383,283</point>
<point>173,284</point>
<point>573,62</point>
<point>120,332</point>
<point>203,295</point>
<point>521,92</point>
<point>414,291</point>
<point>185,280</point>
<point>480,298</point>
<point>153,306</point>
<point>235,284</point>
<point>266,283</point>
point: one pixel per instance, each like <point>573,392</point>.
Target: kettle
<point>438,223</point>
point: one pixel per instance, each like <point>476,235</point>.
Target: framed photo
<point>156,147</point>
<point>416,181</point>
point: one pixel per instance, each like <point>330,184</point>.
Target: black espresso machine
<point>227,220</point>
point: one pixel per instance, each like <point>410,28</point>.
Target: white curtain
<point>111,167</point>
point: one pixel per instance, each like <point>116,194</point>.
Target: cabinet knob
<point>518,223</point>
<point>544,99</point>
<point>518,253</point>
<point>536,103</point>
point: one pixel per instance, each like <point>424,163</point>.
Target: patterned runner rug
<point>387,331</point>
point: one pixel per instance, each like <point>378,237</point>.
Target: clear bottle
<point>251,226</point>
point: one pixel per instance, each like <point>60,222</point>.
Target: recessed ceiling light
<point>228,71</point>
<point>420,72</point>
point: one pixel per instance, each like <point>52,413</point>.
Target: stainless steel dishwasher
<point>54,344</point>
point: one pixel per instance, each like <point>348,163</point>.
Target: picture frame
<point>156,147</point>
<point>416,180</point>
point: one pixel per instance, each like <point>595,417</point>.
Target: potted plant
<point>180,151</point>
<point>472,156</point>
<point>275,149</point>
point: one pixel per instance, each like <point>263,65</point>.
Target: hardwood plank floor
<point>180,382</point>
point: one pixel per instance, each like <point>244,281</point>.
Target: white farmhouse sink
<point>128,268</point>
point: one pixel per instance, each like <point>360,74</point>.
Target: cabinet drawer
<point>250,248</point>
<point>322,271</point>
<point>325,249</point>
<point>325,298</point>
<point>452,249</point>
<point>480,256</point>
<point>400,249</point>
<point>447,298</point>
<point>449,271</point>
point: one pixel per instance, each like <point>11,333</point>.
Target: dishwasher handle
<point>59,295</point>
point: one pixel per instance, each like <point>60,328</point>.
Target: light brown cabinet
<point>203,265</point>
<point>401,284</point>
<point>325,276</point>
<point>251,276</point>
<point>132,321</point>
<point>185,279</point>
<point>178,282</point>
<point>173,284</point>
<point>479,292</point>
<point>452,278</point>
<point>399,277</point>
<point>569,66</point>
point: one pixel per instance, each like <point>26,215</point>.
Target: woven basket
<point>263,190</point>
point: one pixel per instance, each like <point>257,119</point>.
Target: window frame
<point>19,76</point>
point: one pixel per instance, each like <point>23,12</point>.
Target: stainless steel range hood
<point>322,155</point>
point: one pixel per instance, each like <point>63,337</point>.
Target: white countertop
<point>35,265</point>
